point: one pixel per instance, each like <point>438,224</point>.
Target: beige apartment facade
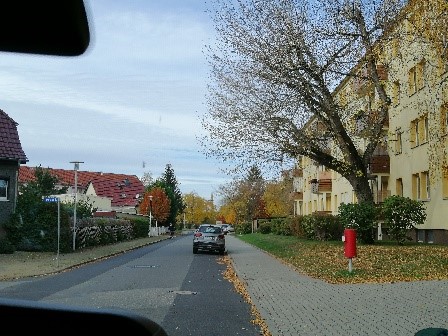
<point>412,158</point>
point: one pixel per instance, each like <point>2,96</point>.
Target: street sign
<point>50,199</point>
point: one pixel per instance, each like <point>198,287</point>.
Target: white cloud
<point>133,97</point>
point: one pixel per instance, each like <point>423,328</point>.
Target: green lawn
<point>378,263</point>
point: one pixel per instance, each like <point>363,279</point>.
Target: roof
<point>66,177</point>
<point>10,146</point>
<point>122,189</point>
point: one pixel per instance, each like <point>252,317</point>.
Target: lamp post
<point>150,215</point>
<point>76,168</point>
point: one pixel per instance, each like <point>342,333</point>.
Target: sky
<point>130,105</point>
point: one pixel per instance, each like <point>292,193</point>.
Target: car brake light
<point>221,236</point>
<point>198,234</point>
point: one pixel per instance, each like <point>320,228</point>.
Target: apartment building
<point>411,159</point>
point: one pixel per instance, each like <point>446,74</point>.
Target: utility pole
<point>150,215</point>
<point>76,168</point>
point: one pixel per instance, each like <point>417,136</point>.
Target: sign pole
<point>52,199</point>
<point>59,232</point>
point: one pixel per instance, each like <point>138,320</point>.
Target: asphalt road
<point>165,282</point>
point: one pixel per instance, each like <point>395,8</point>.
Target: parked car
<point>209,237</point>
<point>227,228</point>
<point>223,227</point>
<point>230,228</point>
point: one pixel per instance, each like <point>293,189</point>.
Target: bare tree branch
<point>274,72</point>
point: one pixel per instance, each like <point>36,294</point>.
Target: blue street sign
<point>50,199</point>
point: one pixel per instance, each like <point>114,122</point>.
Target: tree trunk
<point>361,187</point>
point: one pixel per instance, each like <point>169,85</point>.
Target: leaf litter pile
<point>378,263</point>
<point>240,287</point>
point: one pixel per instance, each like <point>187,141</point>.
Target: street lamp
<point>150,215</point>
<point>76,168</point>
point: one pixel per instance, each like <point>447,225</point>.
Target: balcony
<point>380,195</point>
<point>324,175</point>
<point>380,164</point>
<point>362,84</point>
<point>297,195</point>
<point>321,185</point>
<point>322,213</point>
<point>325,185</point>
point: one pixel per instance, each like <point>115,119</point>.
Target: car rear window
<point>210,229</point>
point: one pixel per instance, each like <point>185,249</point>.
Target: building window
<point>398,142</point>
<point>444,118</point>
<point>417,77</point>
<point>421,186</point>
<point>424,131</point>
<point>443,58</point>
<point>412,81</point>
<point>421,74</point>
<point>445,182</point>
<point>399,187</point>
<point>4,189</point>
<point>421,236</point>
<point>414,132</point>
<point>425,185</point>
<point>416,186</point>
<point>430,235</point>
<point>396,93</point>
<point>419,130</point>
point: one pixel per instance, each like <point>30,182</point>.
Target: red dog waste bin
<point>350,243</point>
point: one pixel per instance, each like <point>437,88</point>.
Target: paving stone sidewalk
<point>295,304</point>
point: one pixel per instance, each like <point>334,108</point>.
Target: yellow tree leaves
<point>277,198</point>
<point>198,209</point>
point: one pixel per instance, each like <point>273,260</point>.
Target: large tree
<point>173,192</point>
<point>243,198</point>
<point>157,204</point>
<point>274,71</point>
<point>198,210</point>
<point>277,197</point>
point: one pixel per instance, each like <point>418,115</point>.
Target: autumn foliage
<point>160,204</point>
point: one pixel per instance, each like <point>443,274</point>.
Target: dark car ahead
<point>209,238</point>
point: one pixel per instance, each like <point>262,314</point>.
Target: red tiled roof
<point>65,177</point>
<point>10,146</point>
<point>113,186</point>
<point>123,190</point>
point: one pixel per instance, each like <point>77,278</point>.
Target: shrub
<point>140,227</point>
<point>308,226</point>
<point>243,228</point>
<point>321,227</point>
<point>401,214</point>
<point>14,229</point>
<point>6,247</point>
<point>296,226</point>
<point>103,231</point>
<point>359,216</point>
<point>328,227</point>
<point>280,226</point>
<point>264,227</point>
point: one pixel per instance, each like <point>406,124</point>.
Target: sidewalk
<point>294,304</point>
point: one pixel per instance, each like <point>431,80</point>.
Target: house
<point>11,157</point>
<point>124,191</point>
<point>106,191</point>
<point>412,158</point>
